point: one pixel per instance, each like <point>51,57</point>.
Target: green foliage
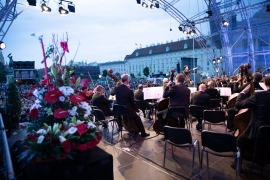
<point>3,72</point>
<point>161,72</point>
<point>14,100</point>
<point>139,74</point>
<point>146,71</point>
<point>104,73</point>
<point>132,75</point>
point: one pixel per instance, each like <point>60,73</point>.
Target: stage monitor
<point>24,74</point>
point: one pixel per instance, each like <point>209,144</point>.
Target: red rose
<point>66,146</point>
<point>29,95</point>
<point>86,100</point>
<point>82,128</point>
<point>34,87</point>
<point>51,97</point>
<point>32,137</point>
<point>57,92</point>
<point>45,81</point>
<point>73,81</point>
<point>34,113</point>
<point>22,127</point>
<point>76,98</point>
<point>60,113</point>
<point>63,128</point>
<point>64,45</point>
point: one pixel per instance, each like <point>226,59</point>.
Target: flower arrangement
<point>59,105</point>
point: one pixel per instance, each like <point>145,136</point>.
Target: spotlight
<point>157,4</point>
<point>180,28</point>
<point>138,1</point>
<point>185,31</point>
<point>144,5</point>
<point>191,33</point>
<point>45,8</point>
<point>209,13</point>
<point>170,29</point>
<point>152,6</point>
<point>225,23</point>
<point>218,60</point>
<point>2,45</point>
<point>220,57</point>
<point>71,7</point>
<point>214,61</point>
<point>62,11</point>
<point>268,9</point>
<point>32,2</point>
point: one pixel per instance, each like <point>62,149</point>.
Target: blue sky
<point>107,30</point>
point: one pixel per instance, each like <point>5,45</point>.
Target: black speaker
<point>178,68</point>
<point>138,1</point>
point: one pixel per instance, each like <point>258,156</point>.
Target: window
<point>167,49</point>
<point>208,68</point>
<point>137,54</point>
<point>208,64</point>
<point>150,52</point>
<point>201,63</point>
<point>185,46</point>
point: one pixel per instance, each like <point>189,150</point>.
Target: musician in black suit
<point>140,96</point>
<point>165,83</point>
<point>101,102</point>
<point>125,96</point>
<point>231,83</point>
<point>201,99</point>
<point>233,111</point>
<point>211,91</point>
<point>260,105</point>
<point>179,96</point>
<point>187,75</point>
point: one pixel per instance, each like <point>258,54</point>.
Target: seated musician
<point>179,96</point>
<point>125,96</point>
<point>165,82</point>
<point>140,96</point>
<point>211,91</point>
<point>233,111</point>
<point>260,105</point>
<point>86,96</point>
<point>201,99</point>
<point>231,83</point>
<point>223,81</point>
<point>101,102</point>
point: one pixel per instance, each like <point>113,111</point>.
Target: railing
<point>7,158</point>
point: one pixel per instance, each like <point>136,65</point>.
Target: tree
<point>3,72</point>
<point>146,71</point>
<point>104,73</point>
<point>161,72</point>
<point>118,75</point>
<point>139,74</point>
<point>132,75</point>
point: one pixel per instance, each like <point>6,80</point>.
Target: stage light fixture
<point>32,2</point>
<point>144,5</point>
<point>225,23</point>
<point>152,6</point>
<point>45,8</point>
<point>180,28</point>
<point>71,7</point>
<point>191,33</point>
<point>62,11</point>
<point>218,60</point>
<point>214,61</point>
<point>268,9</point>
<point>157,4</point>
<point>185,31</point>
<point>2,45</point>
<point>138,1</point>
<point>209,13</point>
<point>220,57</point>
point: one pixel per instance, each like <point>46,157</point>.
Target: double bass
<point>162,105</point>
<point>132,126</point>
<point>241,122</point>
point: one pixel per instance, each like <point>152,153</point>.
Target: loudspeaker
<point>178,68</point>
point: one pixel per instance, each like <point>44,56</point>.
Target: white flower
<point>85,116</point>
<point>90,124</point>
<point>62,98</point>
<point>15,134</point>
<point>40,97</point>
<point>62,139</point>
<point>55,127</point>
<point>36,93</point>
<point>79,122</point>
<point>72,130</point>
<point>40,139</point>
<point>42,131</point>
<point>74,108</point>
<point>72,113</point>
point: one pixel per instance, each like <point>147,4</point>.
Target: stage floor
<point>144,159</point>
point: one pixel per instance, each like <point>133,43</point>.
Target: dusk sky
<point>107,30</point>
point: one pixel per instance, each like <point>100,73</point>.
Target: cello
<point>132,126</point>
<point>241,122</point>
<point>162,105</point>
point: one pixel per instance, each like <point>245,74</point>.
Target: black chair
<point>214,118</point>
<point>142,105</point>
<point>121,110</point>
<point>215,104</point>
<point>179,109</point>
<point>263,139</point>
<point>219,144</point>
<point>99,115</point>
<point>197,111</point>
<point>179,137</point>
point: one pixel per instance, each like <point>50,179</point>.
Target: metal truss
<point>8,14</point>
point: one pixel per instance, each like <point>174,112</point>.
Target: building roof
<point>163,48</point>
<point>112,62</point>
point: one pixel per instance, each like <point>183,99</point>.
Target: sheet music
<point>224,91</point>
<point>153,93</point>
<point>192,89</point>
<point>263,85</point>
<point>110,98</point>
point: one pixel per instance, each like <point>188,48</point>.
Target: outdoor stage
<point>145,159</point>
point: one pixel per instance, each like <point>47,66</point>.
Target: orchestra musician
<point>211,91</point>
<point>179,96</point>
<point>87,94</point>
<point>125,96</point>
<point>186,73</point>
<point>201,99</point>
<point>164,84</point>
<point>260,105</point>
<point>231,83</point>
<point>233,111</point>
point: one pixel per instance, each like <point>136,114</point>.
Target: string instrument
<point>88,93</point>
<point>132,126</point>
<point>162,105</point>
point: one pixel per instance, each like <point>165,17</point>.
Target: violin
<point>88,93</point>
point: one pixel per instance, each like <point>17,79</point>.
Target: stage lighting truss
<point>61,7</point>
<point>2,45</point>
<point>225,23</point>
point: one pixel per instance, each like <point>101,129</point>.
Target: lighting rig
<point>154,4</point>
<point>61,8</point>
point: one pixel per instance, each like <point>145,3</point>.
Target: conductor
<point>186,73</point>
